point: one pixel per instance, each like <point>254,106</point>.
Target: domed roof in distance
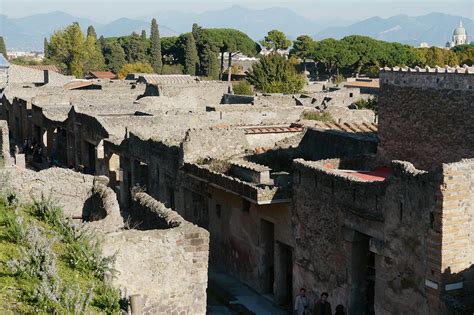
<point>460,30</point>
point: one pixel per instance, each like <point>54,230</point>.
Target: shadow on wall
<point>146,213</point>
<point>93,209</point>
<point>458,291</point>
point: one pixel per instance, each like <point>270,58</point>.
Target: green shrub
<point>172,69</point>
<point>338,79</point>
<point>15,227</point>
<point>107,299</point>
<point>37,258</point>
<point>242,88</point>
<point>85,254</point>
<point>319,116</point>
<point>372,104</point>
<point>276,74</point>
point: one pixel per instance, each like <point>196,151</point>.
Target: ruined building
<point>379,216</point>
<point>391,233</point>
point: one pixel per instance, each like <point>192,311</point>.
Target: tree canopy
<point>275,40</point>
<point>275,74</point>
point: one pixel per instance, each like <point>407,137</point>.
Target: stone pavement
<point>227,295</point>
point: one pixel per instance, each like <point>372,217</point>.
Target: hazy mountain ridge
<point>27,33</point>
<point>433,28</point>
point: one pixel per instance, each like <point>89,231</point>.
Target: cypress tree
<point>155,50</point>
<point>191,59</point>
<point>91,32</point>
<point>3,48</point>
<point>143,35</point>
<point>209,62</point>
<point>114,56</point>
<point>45,48</point>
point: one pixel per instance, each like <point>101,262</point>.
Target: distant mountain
<point>433,28</point>
<point>255,23</point>
<point>125,26</point>
<point>27,33</point>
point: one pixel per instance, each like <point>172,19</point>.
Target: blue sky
<point>350,10</point>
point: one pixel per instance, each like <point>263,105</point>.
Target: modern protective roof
<point>3,62</point>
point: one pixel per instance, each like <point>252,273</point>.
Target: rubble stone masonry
<point>426,118</point>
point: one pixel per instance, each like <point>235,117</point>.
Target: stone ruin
<point>153,245</point>
<point>378,215</point>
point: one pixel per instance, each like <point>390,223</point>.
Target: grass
<point>319,116</point>
<point>37,276</point>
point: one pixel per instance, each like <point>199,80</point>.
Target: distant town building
<point>27,54</point>
<point>424,45</point>
<point>282,52</point>
<point>459,37</point>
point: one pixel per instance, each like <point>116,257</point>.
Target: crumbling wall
<point>324,144</point>
<point>5,158</point>
<point>167,267</point>
<point>221,143</point>
<point>346,115</point>
<point>426,118</point>
<point>334,212</point>
<point>204,93</point>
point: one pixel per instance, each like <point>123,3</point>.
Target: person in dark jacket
<point>322,306</point>
<point>340,310</point>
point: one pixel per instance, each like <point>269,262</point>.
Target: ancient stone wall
<point>167,267</point>
<point>204,93</point>
<point>324,144</point>
<point>426,118</point>
<point>237,99</point>
<point>345,115</point>
<point>222,143</point>
<point>5,157</point>
<point>335,215</point>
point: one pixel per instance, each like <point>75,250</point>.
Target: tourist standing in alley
<point>301,303</point>
<point>322,306</point>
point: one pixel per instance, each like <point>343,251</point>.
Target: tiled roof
<point>167,79</point>
<point>103,74</point>
<point>76,84</point>
<point>347,127</point>
<point>272,129</point>
<point>44,67</point>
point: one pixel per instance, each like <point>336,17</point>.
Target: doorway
<point>267,236</point>
<point>284,274</point>
<point>362,296</point>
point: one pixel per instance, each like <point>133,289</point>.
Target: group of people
<point>31,147</point>
<point>321,307</point>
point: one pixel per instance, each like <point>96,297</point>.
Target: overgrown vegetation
<point>371,103</point>
<point>276,74</point>
<point>242,88</point>
<point>49,265</point>
<point>319,116</point>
